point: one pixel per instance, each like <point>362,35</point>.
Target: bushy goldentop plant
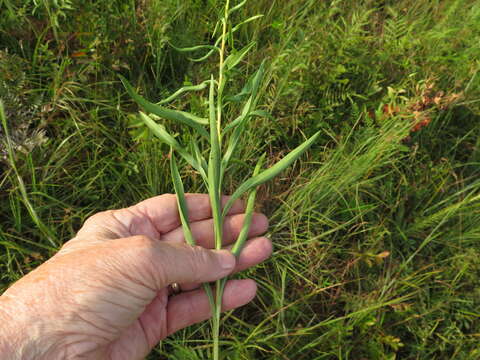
<point>221,136</point>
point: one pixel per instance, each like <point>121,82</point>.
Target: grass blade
<point>270,172</point>
<point>49,235</point>
<point>181,201</point>
<point>177,116</point>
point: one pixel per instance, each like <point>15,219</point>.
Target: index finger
<point>152,217</point>
<point>162,211</point>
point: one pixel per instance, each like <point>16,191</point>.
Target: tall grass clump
<point>220,137</point>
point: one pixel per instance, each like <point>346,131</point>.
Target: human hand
<point>104,295</point>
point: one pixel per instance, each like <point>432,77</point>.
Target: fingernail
<point>226,259</point>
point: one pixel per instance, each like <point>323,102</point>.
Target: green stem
<point>221,76</point>
<point>215,177</point>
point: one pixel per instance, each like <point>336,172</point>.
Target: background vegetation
<point>376,231</point>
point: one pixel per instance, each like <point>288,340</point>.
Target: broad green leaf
<point>178,116</point>
<point>270,172</point>
<point>234,59</point>
<point>181,201</point>
<point>184,90</point>
<point>242,237</point>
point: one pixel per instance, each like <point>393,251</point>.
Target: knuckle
<point>142,241</point>
<point>200,259</point>
<point>98,217</point>
<point>144,254</point>
<point>168,196</point>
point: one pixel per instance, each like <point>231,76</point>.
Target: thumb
<point>159,263</point>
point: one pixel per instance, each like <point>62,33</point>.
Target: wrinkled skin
<point>105,295</point>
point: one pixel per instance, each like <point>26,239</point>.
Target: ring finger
<point>255,251</point>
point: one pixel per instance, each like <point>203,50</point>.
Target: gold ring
<point>175,288</point>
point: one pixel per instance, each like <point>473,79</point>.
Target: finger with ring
<point>174,288</point>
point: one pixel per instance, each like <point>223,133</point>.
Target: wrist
<point>18,335</point>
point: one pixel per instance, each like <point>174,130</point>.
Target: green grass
<point>376,230</point>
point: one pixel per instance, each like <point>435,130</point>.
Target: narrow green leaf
<point>196,48</point>
<point>250,19</point>
<point>258,79</point>
<point>215,29</point>
<point>211,107</point>
<point>160,132</point>
<point>183,90</point>
<point>178,116</point>
<point>200,159</point>
<point>245,113</point>
<point>208,291</point>
<point>203,58</point>
<point>214,168</point>
<point>261,113</point>
<point>251,86</point>
<point>239,124</point>
<point>181,201</point>
<point>213,163</point>
<point>242,237</point>
<point>234,59</point>
<point>270,172</point>
<point>237,7</point>
<point>232,144</point>
<point>212,49</point>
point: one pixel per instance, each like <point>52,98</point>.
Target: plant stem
<point>215,177</point>
<point>221,76</point>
